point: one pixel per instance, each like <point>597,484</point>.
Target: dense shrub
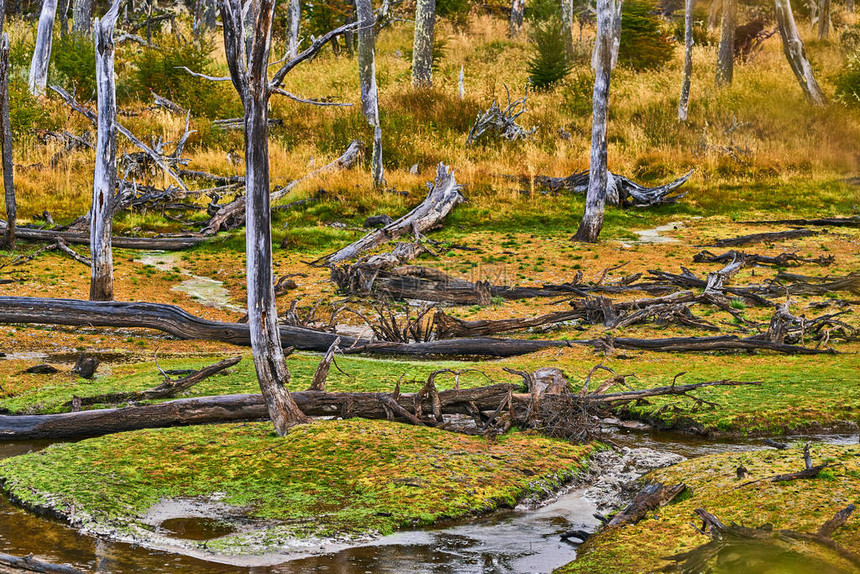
<point>644,44</point>
<point>848,81</point>
<point>542,10</point>
<point>456,11</point>
<point>26,112</point>
<point>160,70</point>
<point>73,65</point>
<point>550,61</point>
<point>701,36</point>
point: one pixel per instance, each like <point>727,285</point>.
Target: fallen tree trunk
<point>763,237</point>
<point>651,497</point>
<point>620,190</point>
<point>30,564</point>
<point>441,199</point>
<point>235,210</point>
<point>823,221</point>
<point>153,243</point>
<point>179,323</point>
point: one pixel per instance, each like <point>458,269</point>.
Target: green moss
<point>346,477</point>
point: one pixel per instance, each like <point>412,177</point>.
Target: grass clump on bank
<point>344,478</point>
<point>800,505</point>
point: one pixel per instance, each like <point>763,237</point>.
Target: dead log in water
<point>649,498</point>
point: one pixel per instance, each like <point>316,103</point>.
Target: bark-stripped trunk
<point>42,50</point>
<point>422,46</point>
<point>295,21</point>
<point>248,60</point>
<point>63,11</point>
<point>824,20</point>
<point>595,199</point>
<point>82,16</point>
<point>104,178</point>
<point>792,46</point>
<point>6,141</point>
<point>517,9</point>
<point>688,61</point>
<point>567,25</point>
<point>714,14</point>
<point>726,56</point>
<point>367,79</point>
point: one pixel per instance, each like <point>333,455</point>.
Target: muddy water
<point>205,290</point>
<point>518,540</point>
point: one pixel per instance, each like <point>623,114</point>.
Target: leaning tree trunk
<point>295,21</point>
<point>82,16</point>
<point>367,79</point>
<point>422,47</point>
<point>104,178</point>
<point>6,141</point>
<point>824,20</point>
<point>42,50</point>
<point>726,56</point>
<point>567,25</point>
<point>688,61</point>
<point>792,45</point>
<point>517,9</point>
<point>595,199</point>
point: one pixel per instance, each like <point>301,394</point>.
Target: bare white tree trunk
<point>295,22</point>
<point>595,199</point>
<point>104,178</point>
<point>726,55</point>
<point>42,50</point>
<point>517,9</point>
<point>422,46</point>
<point>367,80</point>
<point>792,46</point>
<point>684,102</point>
<point>461,85</point>
<point>248,60</point>
<point>567,25</point>
<point>82,16</point>
<point>824,20</point>
<point>6,141</point>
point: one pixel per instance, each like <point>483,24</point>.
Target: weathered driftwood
<point>765,237</point>
<point>803,285</point>
<point>500,122</point>
<point>489,406</point>
<point>441,199</point>
<point>649,498</point>
<point>175,321</point>
<point>620,189</point>
<point>170,243</point>
<point>167,389</point>
<point>232,214</point>
<point>727,539</point>
<point>781,260</point>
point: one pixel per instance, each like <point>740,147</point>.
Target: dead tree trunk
<point>104,178</point>
<point>726,55</point>
<point>714,13</point>
<point>595,199</point>
<point>422,47</point>
<point>42,50</point>
<point>684,102</point>
<point>6,142</point>
<point>849,4</point>
<point>82,16</point>
<point>824,20</point>
<point>295,22</point>
<point>517,9</point>
<point>792,46</point>
<point>567,25</point>
<point>367,79</point>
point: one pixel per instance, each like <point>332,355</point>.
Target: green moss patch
<point>343,478</point>
<point>801,505</point>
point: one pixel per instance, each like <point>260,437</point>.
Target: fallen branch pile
<point>620,190</point>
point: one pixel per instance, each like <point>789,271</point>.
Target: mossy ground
<point>801,505</point>
<point>331,478</point>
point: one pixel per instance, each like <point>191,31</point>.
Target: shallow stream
<point>518,540</point>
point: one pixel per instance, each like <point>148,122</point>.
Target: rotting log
<point>441,199</point>
<point>620,189</point>
<point>853,221</point>
<point>169,243</point>
<point>765,237</point>
<point>649,498</point>
<point>30,564</point>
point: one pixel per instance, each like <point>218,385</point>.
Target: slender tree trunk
<point>792,46</point>
<point>422,47</point>
<point>42,50</point>
<point>104,178</point>
<point>295,22</point>
<point>714,14</point>
<point>6,141</point>
<point>210,14</point>
<point>595,199</point>
<point>849,4</point>
<point>824,20</point>
<point>567,25</point>
<point>726,56</point>
<point>688,61</point>
<point>517,9</point>
<point>82,16</point>
<point>63,10</point>
<point>367,80</point>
